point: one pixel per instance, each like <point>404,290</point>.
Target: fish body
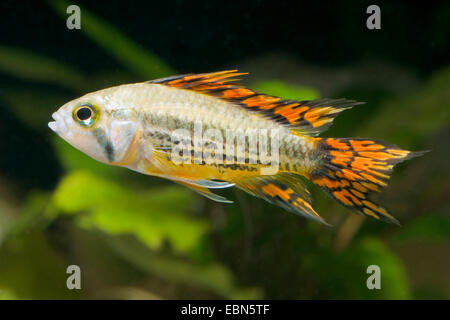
<point>205,132</point>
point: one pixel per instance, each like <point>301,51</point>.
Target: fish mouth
<point>53,124</point>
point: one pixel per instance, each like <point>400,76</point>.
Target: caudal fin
<point>352,168</point>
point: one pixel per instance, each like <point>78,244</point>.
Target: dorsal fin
<point>308,117</point>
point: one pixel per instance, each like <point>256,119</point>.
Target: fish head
<point>98,127</point>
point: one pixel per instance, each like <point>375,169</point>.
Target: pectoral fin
<point>202,183</point>
<point>204,192</point>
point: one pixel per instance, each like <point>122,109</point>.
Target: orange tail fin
<point>352,168</point>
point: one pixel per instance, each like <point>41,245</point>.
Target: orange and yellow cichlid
<point>204,131</point>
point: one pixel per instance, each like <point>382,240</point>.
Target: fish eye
<point>85,115</point>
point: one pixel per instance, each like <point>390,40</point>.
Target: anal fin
<point>283,190</point>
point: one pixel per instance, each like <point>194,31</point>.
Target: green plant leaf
<point>31,66</point>
<point>284,90</point>
<point>151,215</point>
<point>428,229</point>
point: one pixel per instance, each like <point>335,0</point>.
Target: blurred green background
<point>140,237</point>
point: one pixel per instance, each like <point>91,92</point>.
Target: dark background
<point>206,35</point>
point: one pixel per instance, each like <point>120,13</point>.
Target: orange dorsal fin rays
<point>281,190</point>
<point>308,117</point>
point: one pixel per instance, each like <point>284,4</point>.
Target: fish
<point>206,131</point>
